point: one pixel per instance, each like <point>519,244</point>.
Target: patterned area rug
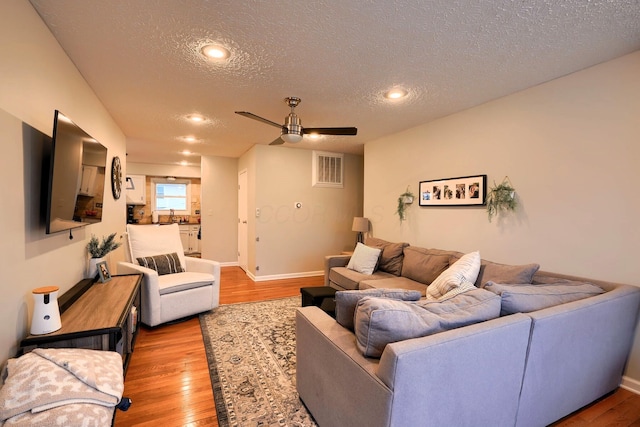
<point>251,350</point>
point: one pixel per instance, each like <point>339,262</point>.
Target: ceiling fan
<point>292,129</point>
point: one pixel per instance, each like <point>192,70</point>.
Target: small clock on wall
<point>116,177</point>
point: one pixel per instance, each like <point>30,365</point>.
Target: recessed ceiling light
<point>396,93</point>
<point>185,152</point>
<point>189,138</point>
<point>196,118</point>
<point>216,52</point>
<point>314,135</point>
<point>184,163</point>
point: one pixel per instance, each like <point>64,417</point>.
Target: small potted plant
<point>501,198</point>
<point>98,251</point>
<point>405,199</point>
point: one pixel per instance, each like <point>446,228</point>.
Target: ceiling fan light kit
<point>291,137</point>
<point>292,131</point>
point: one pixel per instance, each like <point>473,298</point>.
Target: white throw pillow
<point>364,259</point>
<point>458,278</point>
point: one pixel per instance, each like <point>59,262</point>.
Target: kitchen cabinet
<point>89,174</point>
<point>189,237</point>
<point>136,187</point>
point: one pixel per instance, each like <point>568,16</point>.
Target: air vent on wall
<point>327,169</point>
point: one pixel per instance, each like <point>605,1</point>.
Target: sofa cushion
<point>349,279</point>
<point>170,283</point>
<point>346,301</point>
<point>423,266</point>
<point>162,264</point>
<point>528,298</point>
<point>458,278</point>
<point>364,259</point>
<point>394,282</point>
<point>391,256</point>
<point>380,321</point>
<point>503,273</point>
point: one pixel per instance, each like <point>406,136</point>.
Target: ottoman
<point>320,296</point>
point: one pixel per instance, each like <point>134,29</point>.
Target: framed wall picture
<point>461,191</point>
<point>103,272</point>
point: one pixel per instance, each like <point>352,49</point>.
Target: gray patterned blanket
<point>54,386</point>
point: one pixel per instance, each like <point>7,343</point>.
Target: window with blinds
<point>327,169</point>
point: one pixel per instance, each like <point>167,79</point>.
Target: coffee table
<point>320,296</point>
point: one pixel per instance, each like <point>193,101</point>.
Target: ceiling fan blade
<point>277,141</point>
<point>258,118</point>
<point>332,131</point>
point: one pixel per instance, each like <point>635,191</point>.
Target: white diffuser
<point>46,313</point>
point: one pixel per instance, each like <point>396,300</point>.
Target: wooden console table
<point>104,317</point>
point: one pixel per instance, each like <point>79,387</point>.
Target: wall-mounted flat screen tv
<point>76,177</point>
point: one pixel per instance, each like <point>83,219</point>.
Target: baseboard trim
<point>229,264</point>
<point>286,276</point>
<point>630,384</point>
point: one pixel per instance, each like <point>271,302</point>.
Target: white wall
<point>219,209</point>
<point>293,242</point>
<point>571,149</point>
<point>37,78</point>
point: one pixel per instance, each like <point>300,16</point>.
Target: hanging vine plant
<point>405,199</point>
<point>501,198</point>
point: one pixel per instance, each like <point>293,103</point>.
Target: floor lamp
<point>361,225</point>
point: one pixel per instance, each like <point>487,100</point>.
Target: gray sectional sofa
<point>519,369</point>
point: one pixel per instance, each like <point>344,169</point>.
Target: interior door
<point>243,226</point>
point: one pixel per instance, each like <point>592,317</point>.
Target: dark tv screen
<point>76,177</point>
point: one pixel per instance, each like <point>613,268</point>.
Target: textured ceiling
<point>141,59</point>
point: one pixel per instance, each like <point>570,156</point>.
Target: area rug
<point>251,351</point>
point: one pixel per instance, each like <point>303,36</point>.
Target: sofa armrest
<point>207,266</point>
<point>203,266</point>
<point>331,261</point>
<point>455,368</point>
<point>150,292</point>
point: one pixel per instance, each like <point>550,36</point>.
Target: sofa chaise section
<point>471,375</point>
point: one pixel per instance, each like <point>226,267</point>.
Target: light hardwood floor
<point>168,378</point>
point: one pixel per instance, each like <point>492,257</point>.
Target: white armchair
<point>167,297</point>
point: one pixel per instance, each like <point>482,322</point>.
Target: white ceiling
<point>142,60</point>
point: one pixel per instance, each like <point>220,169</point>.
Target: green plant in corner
<point>405,199</point>
<point>99,250</point>
<point>501,198</point>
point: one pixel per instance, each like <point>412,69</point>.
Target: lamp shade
<point>360,224</point>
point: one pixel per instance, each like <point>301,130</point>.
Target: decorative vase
<point>93,269</point>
